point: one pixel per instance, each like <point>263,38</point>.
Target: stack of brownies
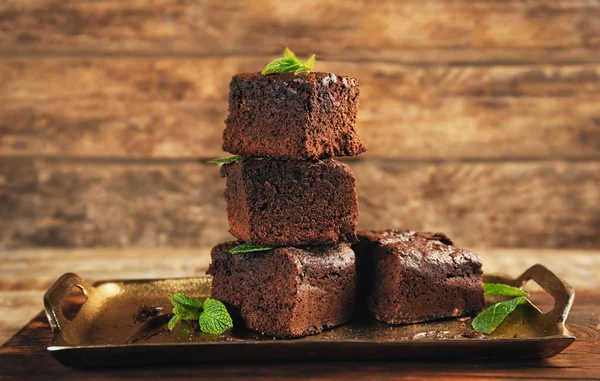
<point>298,208</point>
<point>285,191</point>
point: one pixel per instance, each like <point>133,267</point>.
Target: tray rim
<point>55,348</point>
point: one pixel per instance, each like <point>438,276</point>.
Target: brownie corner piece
<point>410,277</point>
<point>286,292</point>
<point>304,116</point>
<point>291,202</point>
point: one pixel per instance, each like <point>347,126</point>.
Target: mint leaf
<point>184,308</point>
<point>301,70</point>
<point>288,54</point>
<point>186,312</point>
<point>491,317</point>
<point>173,322</point>
<point>289,62</point>
<point>214,319</point>
<point>307,67</point>
<point>211,313</point>
<point>223,160</point>
<point>280,65</point>
<point>180,298</point>
<point>248,248</point>
<point>310,62</point>
<point>503,289</point>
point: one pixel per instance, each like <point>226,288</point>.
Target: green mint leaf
<point>280,65</point>
<point>180,298</point>
<point>223,160</point>
<point>248,248</point>
<point>310,63</point>
<point>210,313</point>
<point>491,317</point>
<point>503,289</point>
<point>289,62</point>
<point>184,308</point>
<point>214,319</point>
<point>290,56</point>
<point>301,69</point>
<point>173,322</point>
<point>186,312</point>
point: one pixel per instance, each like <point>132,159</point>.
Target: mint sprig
<point>248,248</point>
<point>214,319</point>
<point>503,290</point>
<point>289,62</point>
<point>488,320</point>
<point>224,160</point>
<point>491,317</point>
<point>210,313</point>
<point>231,159</point>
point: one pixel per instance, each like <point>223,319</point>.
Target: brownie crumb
<point>146,312</point>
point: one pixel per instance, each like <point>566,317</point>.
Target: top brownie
<point>304,116</point>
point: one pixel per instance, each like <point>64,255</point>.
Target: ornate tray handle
<point>561,291</point>
<point>56,294</point>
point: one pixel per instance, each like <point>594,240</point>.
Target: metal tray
<point>103,332</point>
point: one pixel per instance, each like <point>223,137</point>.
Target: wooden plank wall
<point>482,118</point>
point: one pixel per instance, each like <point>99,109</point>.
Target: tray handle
<point>55,295</point>
<point>561,291</point>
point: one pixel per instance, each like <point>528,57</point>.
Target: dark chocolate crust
<point>410,277</point>
<point>286,292</point>
<point>304,116</point>
<point>291,202</point>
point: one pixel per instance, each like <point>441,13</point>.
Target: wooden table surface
<point>26,274</point>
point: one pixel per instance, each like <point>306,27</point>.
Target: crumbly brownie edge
<point>236,201</point>
<point>268,223</point>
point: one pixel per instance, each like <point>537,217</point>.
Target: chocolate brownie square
<point>409,277</point>
<point>304,116</point>
<point>286,292</point>
<point>291,202</point>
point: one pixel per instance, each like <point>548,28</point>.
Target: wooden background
<point>482,117</point>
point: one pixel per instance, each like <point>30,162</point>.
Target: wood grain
<point>17,307</point>
<point>25,354</point>
<point>173,108</point>
<point>113,129</point>
<point>180,203</point>
<point>512,204</point>
<point>481,118</point>
<point>409,31</point>
<point>118,204</point>
<point>36,269</point>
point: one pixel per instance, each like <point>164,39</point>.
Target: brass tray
<point>104,333</point>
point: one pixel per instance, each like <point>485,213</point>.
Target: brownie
<point>291,202</point>
<point>286,292</point>
<point>409,277</point>
<point>304,116</point>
